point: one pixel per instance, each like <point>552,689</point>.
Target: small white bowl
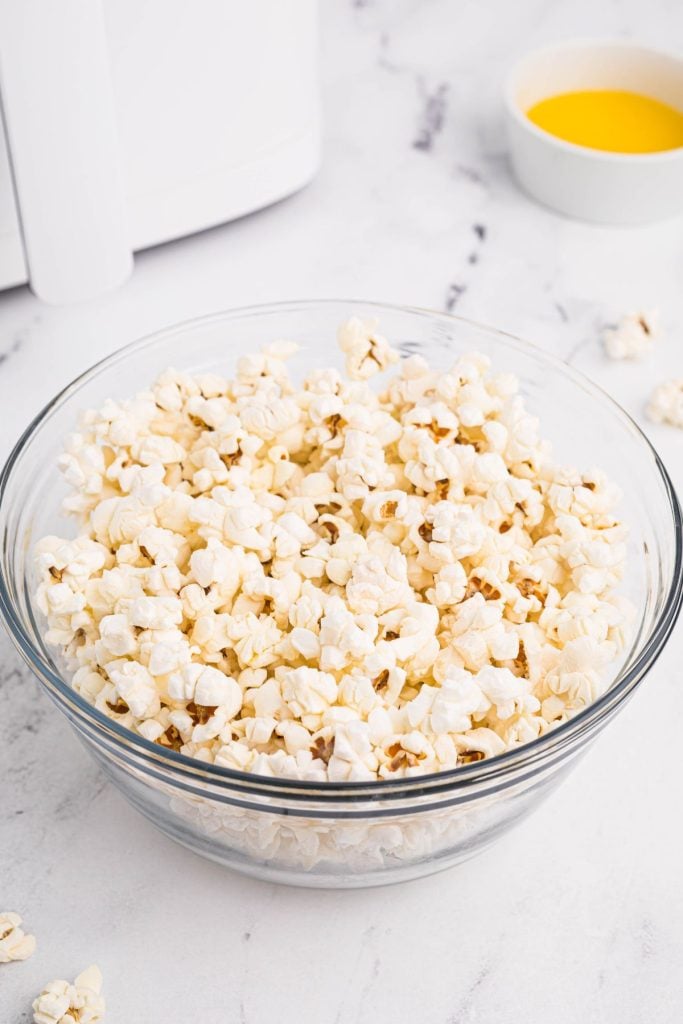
<point>591,184</point>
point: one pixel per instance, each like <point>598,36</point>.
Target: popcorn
<point>329,582</point>
<point>117,638</point>
<point>308,690</point>
<point>135,686</point>
<point>633,336</point>
<point>15,944</point>
<point>366,352</point>
<point>666,403</point>
<point>213,689</point>
<point>80,1003</point>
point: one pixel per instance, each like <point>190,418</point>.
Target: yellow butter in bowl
<point>595,130</point>
<point>613,120</point>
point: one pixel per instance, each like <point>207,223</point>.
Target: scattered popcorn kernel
<point>633,337</point>
<point>80,1003</point>
<point>666,403</point>
<point>15,944</point>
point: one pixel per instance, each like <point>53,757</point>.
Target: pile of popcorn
<point>333,581</point>
<point>59,1002</point>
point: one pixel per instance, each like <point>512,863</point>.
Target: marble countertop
<point>577,915</point>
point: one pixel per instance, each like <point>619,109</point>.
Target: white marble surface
<point>578,915</point>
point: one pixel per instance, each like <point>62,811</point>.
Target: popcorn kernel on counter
<point>633,337</point>
<point>327,582</point>
<point>80,1003</point>
<point>15,944</point>
<point>666,403</point>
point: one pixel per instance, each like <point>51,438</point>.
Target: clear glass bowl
<point>348,834</point>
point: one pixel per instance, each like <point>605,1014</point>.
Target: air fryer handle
<point>58,106</point>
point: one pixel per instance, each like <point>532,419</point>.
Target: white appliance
<point>132,122</point>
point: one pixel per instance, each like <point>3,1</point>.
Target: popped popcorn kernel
<point>80,1003</point>
<point>633,337</point>
<point>366,351</point>
<point>328,581</point>
<point>15,944</point>
<point>666,403</point>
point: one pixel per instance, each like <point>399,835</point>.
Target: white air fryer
<point>132,122</point>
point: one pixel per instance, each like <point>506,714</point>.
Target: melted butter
<point>610,119</point>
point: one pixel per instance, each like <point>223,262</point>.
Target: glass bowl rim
<point>494,767</point>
